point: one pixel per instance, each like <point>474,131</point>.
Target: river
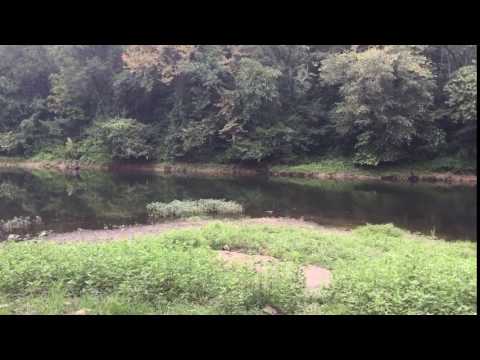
<point>93,200</point>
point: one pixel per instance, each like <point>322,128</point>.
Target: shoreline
<point>218,170</point>
<point>132,231</point>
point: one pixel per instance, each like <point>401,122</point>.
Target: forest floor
<point>248,266</point>
<point>324,169</point>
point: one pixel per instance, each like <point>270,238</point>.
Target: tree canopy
<point>239,103</point>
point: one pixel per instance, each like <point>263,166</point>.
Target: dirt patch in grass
<point>315,276</point>
<point>259,261</point>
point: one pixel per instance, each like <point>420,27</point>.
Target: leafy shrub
<point>452,163</point>
<point>8,143</point>
<point>34,135</point>
<point>125,138</point>
<point>386,93</point>
<point>50,153</point>
<point>71,150</point>
<point>9,191</point>
<point>385,230</point>
<point>461,91</point>
<point>93,150</point>
<point>187,208</point>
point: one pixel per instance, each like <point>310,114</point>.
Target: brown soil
<point>316,276</point>
<point>259,261</point>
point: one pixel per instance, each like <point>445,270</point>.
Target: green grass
<point>345,165</point>
<point>376,270</point>
<point>58,301</point>
<point>186,208</point>
<point>450,163</point>
<point>142,274</point>
<point>9,191</point>
<point>52,153</point>
<point>327,165</point>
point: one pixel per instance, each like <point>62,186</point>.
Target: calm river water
<point>93,200</point>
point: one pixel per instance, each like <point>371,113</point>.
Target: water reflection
<point>95,199</point>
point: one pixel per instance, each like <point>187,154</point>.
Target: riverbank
<point>440,170</point>
<point>260,266</point>
<point>164,168</point>
<point>132,231</point>
<point>56,165</point>
<point>320,170</point>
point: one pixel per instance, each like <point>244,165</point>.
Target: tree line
<point>239,103</point>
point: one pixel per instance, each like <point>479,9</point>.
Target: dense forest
<point>239,103</point>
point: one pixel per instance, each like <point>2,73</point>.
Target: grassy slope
<point>339,165</point>
<point>376,270</point>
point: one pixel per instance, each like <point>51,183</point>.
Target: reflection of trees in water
<point>93,199</point>
<point>452,211</point>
